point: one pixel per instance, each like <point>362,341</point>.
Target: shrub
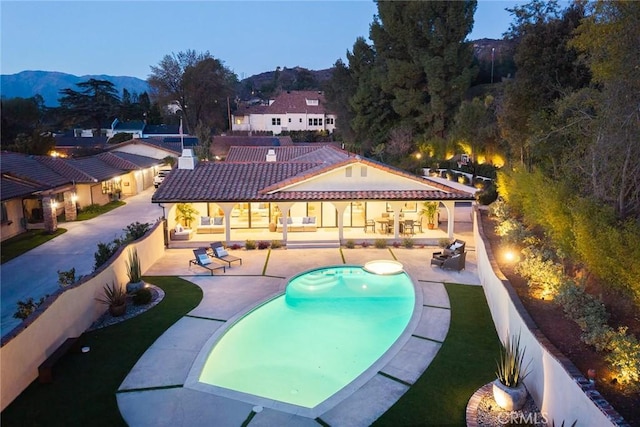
<point>276,244</point>
<point>512,231</point>
<point>250,244</point>
<point>443,242</point>
<point>66,278</point>
<point>263,244</point>
<point>380,243</point>
<point>499,210</point>
<point>625,359</point>
<point>544,275</point>
<point>25,308</point>
<point>114,295</point>
<point>395,244</point>
<point>510,370</point>
<point>105,252</point>
<point>142,296</point>
<point>236,246</point>
<point>349,244</point>
<point>92,208</point>
<point>488,194</point>
<point>365,244</point>
<point>136,230</point>
<point>407,243</point>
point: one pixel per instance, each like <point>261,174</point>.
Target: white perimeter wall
<point>553,378</point>
<point>66,314</point>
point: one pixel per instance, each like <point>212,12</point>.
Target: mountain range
<point>26,84</point>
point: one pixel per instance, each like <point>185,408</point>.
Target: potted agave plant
<point>115,297</point>
<point>509,390</point>
<point>134,272</point>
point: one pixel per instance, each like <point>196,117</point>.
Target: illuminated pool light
<point>383,267</point>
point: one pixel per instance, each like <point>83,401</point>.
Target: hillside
<point>26,84</point>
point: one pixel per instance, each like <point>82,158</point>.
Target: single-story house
<point>38,189</point>
<point>318,185</point>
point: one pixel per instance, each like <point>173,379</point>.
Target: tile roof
<point>315,153</point>
<point>260,181</point>
<point>128,161</point>
<point>87,142</point>
<point>162,129</point>
<point>11,188</point>
<point>96,168</point>
<point>173,147</point>
<point>303,101</point>
<point>67,169</point>
<point>221,145</point>
<point>30,168</point>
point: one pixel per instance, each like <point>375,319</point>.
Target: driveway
<point>35,273</point>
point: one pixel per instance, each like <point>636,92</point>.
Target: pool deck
<point>159,390</point>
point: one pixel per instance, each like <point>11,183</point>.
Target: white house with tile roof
<point>334,189</point>
<point>289,111</point>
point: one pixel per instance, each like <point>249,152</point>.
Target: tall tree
<point>196,83</point>
<point>95,102</point>
<point>338,90</point>
<point>427,59</point>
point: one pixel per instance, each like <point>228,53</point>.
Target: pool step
<point>310,244</point>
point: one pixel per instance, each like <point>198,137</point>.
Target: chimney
<point>271,155</point>
<point>186,160</point>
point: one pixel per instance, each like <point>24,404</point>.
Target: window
<point>275,121</point>
<point>363,171</point>
<point>320,122</point>
<point>315,122</point>
<point>300,120</point>
<point>289,119</point>
<point>310,122</point>
<point>348,171</point>
<point>329,120</point>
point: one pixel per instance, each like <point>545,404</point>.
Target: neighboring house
<point>156,148</point>
<point>257,186</point>
<point>38,189</point>
<point>289,111</point>
<point>220,145</point>
<point>135,128</point>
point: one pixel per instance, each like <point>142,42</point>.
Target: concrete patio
<point>162,378</point>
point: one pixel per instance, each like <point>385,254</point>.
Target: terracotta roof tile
<point>304,101</point>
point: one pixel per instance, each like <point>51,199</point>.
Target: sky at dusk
<point>124,38</point>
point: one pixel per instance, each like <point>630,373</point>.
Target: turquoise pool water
<point>304,346</point>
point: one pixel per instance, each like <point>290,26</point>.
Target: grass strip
<point>24,242</point>
<point>83,392</point>
<point>465,362</point>
<point>93,211</point>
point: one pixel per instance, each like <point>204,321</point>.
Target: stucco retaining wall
<point>67,313</point>
<point>557,386</point>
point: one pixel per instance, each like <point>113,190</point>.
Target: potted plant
<point>134,272</point>
<point>186,213</point>
<point>115,298</point>
<point>509,390</point>
<point>429,211</point>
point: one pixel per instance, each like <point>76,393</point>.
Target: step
<point>317,244</point>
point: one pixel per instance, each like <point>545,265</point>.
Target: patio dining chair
<point>203,260</point>
<point>370,224</point>
<point>408,228</point>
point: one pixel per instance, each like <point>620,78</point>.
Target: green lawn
<point>93,211</point>
<point>84,388</point>
<point>465,362</point>
<point>16,246</point>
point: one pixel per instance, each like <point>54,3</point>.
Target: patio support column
<point>397,207</point>
<point>340,208</point>
<point>226,209</point>
<point>70,211</point>
<point>49,206</point>
<point>451,211</point>
<point>284,208</point>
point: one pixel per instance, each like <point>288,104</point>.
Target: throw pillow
<point>220,251</point>
<point>312,220</point>
<point>205,220</point>
<point>289,220</point>
<point>204,259</point>
<point>217,220</point>
<point>179,228</point>
<point>305,220</point>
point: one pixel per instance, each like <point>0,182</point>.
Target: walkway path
<point>35,273</point>
<point>162,378</point>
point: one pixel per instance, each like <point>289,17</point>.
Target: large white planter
<point>509,398</point>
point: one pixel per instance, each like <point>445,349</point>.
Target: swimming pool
<point>302,347</point>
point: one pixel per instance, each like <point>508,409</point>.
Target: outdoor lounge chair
<point>203,260</point>
<point>219,252</point>
<point>453,262</point>
<point>456,247</point>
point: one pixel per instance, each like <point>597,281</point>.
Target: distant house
<point>221,145</point>
<point>135,128</point>
<point>38,189</point>
<point>289,111</point>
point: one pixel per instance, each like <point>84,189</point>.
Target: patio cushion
<point>204,259</point>
<point>220,251</point>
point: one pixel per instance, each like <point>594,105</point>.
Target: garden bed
<point>565,334</point>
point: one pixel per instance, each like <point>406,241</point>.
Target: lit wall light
<point>54,205</point>
<point>509,255</point>
<point>418,156</point>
